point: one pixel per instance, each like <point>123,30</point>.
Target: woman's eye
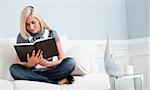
<point>33,22</point>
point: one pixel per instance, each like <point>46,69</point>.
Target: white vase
<point>113,67</point>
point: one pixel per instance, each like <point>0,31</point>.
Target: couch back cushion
<point>7,57</point>
<point>88,56</point>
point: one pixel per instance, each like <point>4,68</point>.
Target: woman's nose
<point>31,26</point>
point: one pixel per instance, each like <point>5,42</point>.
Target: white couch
<point>89,64</point>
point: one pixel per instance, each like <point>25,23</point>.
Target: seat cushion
<point>34,85</point>
<point>5,85</point>
<point>93,81</point>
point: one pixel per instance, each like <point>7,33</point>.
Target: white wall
<point>139,54</point>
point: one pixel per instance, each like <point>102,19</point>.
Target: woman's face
<point>32,24</point>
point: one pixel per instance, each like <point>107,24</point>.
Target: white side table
<point>138,80</point>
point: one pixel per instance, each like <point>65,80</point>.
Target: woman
<point>38,68</point>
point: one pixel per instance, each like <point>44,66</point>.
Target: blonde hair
<point>30,10</point>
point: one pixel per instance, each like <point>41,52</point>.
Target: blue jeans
<point>49,75</point>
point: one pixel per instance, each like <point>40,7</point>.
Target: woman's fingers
<point>41,55</point>
<point>28,56</point>
<point>38,53</point>
<point>36,57</point>
<point>33,53</point>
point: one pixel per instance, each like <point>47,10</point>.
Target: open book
<point>48,46</point>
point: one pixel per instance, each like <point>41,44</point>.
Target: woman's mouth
<point>33,30</point>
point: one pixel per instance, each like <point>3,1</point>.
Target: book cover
<point>48,46</point>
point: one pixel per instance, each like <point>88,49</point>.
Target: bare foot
<point>63,81</point>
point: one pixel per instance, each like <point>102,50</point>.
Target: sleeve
<point>55,35</point>
<point>20,39</point>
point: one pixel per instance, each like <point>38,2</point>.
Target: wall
<point>148,17</point>
<point>138,49</point>
<point>149,43</point>
<point>79,19</point>
<point>137,17</point>
<point>138,34</point>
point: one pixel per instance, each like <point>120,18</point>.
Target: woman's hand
<point>46,63</point>
<point>34,59</point>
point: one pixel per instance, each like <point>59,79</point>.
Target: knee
<point>13,68</point>
<point>70,62</point>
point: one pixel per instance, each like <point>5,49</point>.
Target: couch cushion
<point>94,81</point>
<point>65,43</point>
<point>90,82</point>
<point>87,56</point>
<point>5,85</point>
<point>7,57</point>
<point>34,85</point>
